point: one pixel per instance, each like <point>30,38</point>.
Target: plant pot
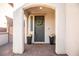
<point>52,40</point>
<point>29,40</point>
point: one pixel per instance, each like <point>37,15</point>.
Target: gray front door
<point>39,29</point>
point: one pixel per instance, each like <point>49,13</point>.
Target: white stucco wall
<point>3,38</point>
<point>72,29</point>
<point>49,25</point>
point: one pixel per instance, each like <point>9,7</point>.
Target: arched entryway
<point>18,47</point>
<point>40,22</point>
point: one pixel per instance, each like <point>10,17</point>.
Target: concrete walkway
<point>6,50</point>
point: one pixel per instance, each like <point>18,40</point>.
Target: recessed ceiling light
<point>41,7</point>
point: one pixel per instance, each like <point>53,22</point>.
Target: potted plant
<point>29,38</point>
<point>52,39</point>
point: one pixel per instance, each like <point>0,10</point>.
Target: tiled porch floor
<point>30,50</point>
<point>40,50</point>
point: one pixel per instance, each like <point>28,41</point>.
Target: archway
<point>59,22</point>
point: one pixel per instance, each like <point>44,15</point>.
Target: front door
<point>39,29</point>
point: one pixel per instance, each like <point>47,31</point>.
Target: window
<point>31,23</point>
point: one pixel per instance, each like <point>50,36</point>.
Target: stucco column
<point>18,31</point>
<point>60,28</point>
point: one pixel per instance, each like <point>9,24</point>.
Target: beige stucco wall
<point>72,29</point>
<point>49,25</point>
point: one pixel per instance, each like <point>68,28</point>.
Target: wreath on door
<point>39,23</point>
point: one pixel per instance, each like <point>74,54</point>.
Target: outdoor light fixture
<point>41,8</point>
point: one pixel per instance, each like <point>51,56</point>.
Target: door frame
<point>34,29</point>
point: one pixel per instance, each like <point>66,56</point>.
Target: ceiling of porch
<point>39,10</point>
